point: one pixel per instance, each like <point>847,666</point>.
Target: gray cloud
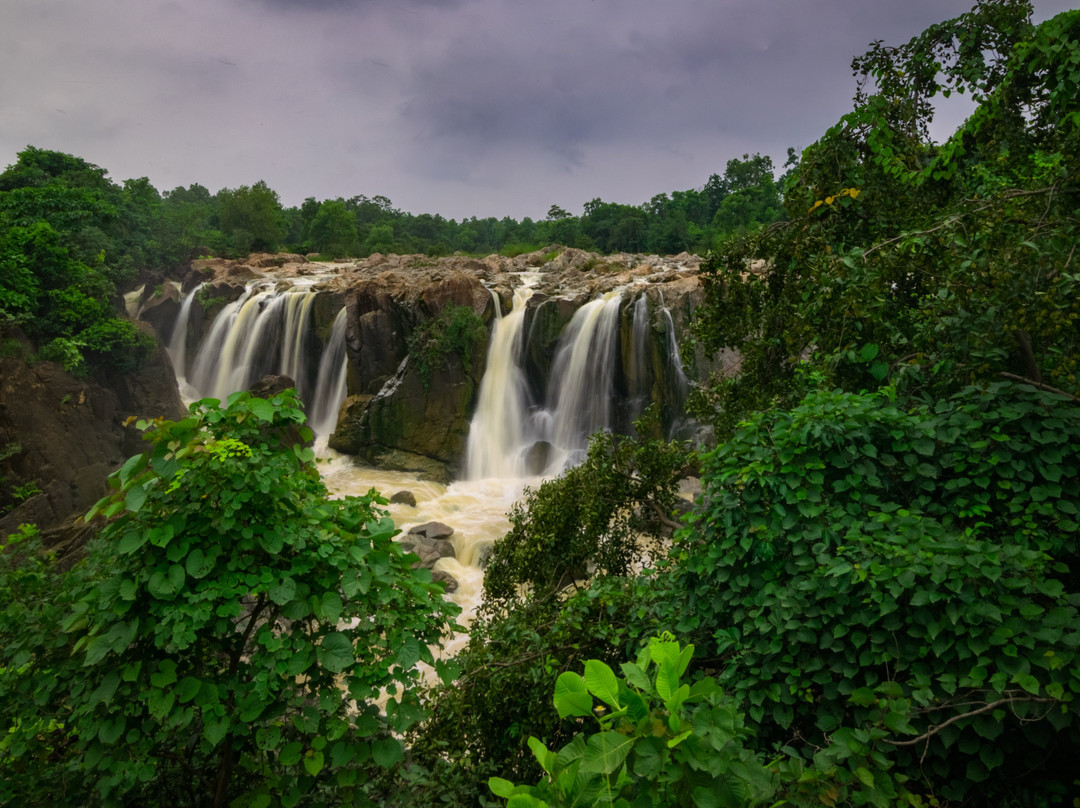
<point>461,107</point>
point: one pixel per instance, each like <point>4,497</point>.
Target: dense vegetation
<point>874,601</point>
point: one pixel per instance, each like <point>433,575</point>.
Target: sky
<point>456,107</point>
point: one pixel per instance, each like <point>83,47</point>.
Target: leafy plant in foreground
<point>902,583</point>
<point>230,634</point>
<point>660,741</point>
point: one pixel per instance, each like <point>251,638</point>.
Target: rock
<point>445,578</point>
<point>432,530</point>
<point>403,498</point>
<point>160,310</point>
<point>270,385</point>
<point>538,457</point>
<point>64,435</point>
<point>429,550</point>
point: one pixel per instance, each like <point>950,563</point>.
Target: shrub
<point>229,637</point>
<point>454,332</point>
<point>902,582</point>
<point>117,344</point>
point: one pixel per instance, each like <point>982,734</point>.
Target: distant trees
<point>252,218</point>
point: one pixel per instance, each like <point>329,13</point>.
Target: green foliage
<point>230,636</point>
<point>453,332</point>
<point>659,741</point>
<point>66,352</point>
<point>903,580</point>
<point>117,344</point>
<point>596,518</point>
<point>954,262</point>
<point>251,217</point>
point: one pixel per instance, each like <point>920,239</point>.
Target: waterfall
<point>330,384</point>
<point>497,440</point>
<point>582,393</point>
<point>639,374</point>
<point>680,383</point>
<point>266,330</point>
<point>177,347</point>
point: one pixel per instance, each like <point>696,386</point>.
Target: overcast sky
<point>458,107</point>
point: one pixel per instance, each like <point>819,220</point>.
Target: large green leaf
<point>335,652</point>
<point>606,751</point>
<point>602,683</point>
<point>572,696</point>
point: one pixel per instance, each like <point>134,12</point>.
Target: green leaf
<point>602,683</point>
<point>335,652</point>
<point>134,498</point>
<point>283,591</point>
<point>500,787</point>
<point>331,611</point>
<point>215,728</point>
<point>262,409</point>
<point>313,763</point>
<point>572,696</point>
<point>131,541</point>
<point>198,564</point>
<point>1028,682</point>
<point>387,752</point>
<point>290,755</point>
<point>409,653</point>
<point>606,752</point>
<point>865,776</point>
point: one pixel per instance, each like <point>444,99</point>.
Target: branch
<point>926,736</point>
<point>664,520</point>
<point>1040,385</point>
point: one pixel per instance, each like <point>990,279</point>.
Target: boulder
<point>432,530</point>
<point>403,498</point>
<point>446,579</point>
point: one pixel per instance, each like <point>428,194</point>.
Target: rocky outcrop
<point>403,416</point>
<point>64,436</point>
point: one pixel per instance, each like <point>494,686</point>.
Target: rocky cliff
<point>61,436</point>
<point>399,414</point>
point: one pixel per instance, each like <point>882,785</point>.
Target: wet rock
<point>445,578</point>
<point>403,498</point>
<point>429,550</point>
<point>65,435</point>
<point>432,530</point>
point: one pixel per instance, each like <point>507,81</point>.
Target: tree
<point>252,217</point>
<point>230,635</point>
<point>332,231</point>
<point>901,580</point>
<point>951,262</point>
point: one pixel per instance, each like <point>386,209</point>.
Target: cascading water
<point>581,398</point>
<point>497,435</point>
<point>679,383</point>
<point>516,432</point>
<point>639,374</point>
<point>177,346</point>
<point>330,384</point>
<point>266,330</point>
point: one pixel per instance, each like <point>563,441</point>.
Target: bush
<point>117,344</point>
<point>455,331</point>
<point>902,582</point>
<point>660,741</point>
<point>229,637</point>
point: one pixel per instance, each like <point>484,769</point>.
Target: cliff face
<point>397,417</point>
<point>63,436</point>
